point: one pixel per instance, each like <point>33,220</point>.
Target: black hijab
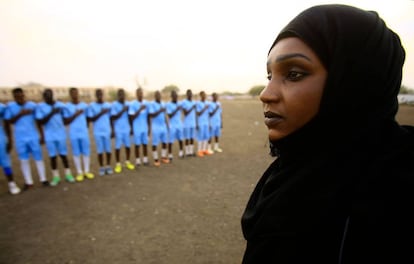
<point>325,168</point>
<point>364,62</point>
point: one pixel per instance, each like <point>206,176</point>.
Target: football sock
<point>77,161</point>
<point>27,174</point>
<point>40,165</point>
<point>87,163</point>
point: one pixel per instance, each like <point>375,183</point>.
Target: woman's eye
<point>269,76</point>
<point>295,76</point>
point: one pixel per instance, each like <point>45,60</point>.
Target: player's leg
<point>23,154</point>
<point>164,143</point>
<point>36,150</point>
<point>85,151</point>
<point>76,152</point>
<point>155,142</point>
<point>144,141</point>
<point>6,165</point>
<point>63,152</point>
<point>118,144</point>
<point>172,138</point>
<point>137,143</point>
<point>99,145</point>
<point>108,150</point>
<point>127,144</point>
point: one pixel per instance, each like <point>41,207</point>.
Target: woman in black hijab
<point>341,189</point>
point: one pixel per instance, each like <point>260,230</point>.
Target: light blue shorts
<point>189,132</point>
<point>159,136</point>
<point>4,156</point>
<point>26,147</point>
<point>80,146</point>
<point>176,134</point>
<point>203,133</point>
<point>141,138</point>
<point>103,143</point>
<point>55,147</point>
<point>215,131</point>
<point>122,139</point>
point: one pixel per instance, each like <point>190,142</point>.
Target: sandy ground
<point>185,212</point>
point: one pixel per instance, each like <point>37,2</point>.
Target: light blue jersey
<point>54,129</point>
<point>102,126</point>
<point>190,119</point>
<point>121,125</point>
<point>25,128</point>
<point>140,123</point>
<point>175,120</point>
<point>78,128</point>
<point>3,137</point>
<point>4,156</point>
<point>203,119</point>
<point>215,119</point>
<point>159,121</point>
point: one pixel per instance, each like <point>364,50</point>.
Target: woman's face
<point>294,91</point>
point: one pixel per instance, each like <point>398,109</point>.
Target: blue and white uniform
<point>54,129</point>
<point>102,126</point>
<point>176,124</point>
<point>140,123</point>
<point>203,121</point>
<point>26,136</point>
<point>4,156</point>
<point>122,128</point>
<point>215,119</point>
<point>189,123</point>
<point>78,128</point>
<point>159,128</point>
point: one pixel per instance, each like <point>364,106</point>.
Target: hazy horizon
<point>214,46</point>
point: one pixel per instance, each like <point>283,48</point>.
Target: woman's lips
<point>272,119</point>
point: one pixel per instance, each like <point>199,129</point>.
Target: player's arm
<point>117,116</point>
<point>49,116</point>
<point>41,132</point>
<point>7,129</point>
<point>214,111</point>
<point>70,119</point>
<point>96,117</point>
<point>186,112</point>
<point>174,112</point>
<point>162,109</point>
<point>137,113</point>
<point>22,113</point>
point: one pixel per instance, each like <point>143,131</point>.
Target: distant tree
<point>169,88</point>
<point>405,90</point>
<point>256,90</point>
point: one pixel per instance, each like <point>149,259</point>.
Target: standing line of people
<point>138,122</point>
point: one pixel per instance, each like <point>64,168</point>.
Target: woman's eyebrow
<point>284,57</point>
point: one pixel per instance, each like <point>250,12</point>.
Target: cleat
<point>69,178</point>
<point>129,165</point>
<point>109,171</point>
<point>45,183</point>
<point>79,177</point>
<point>219,150</point>
<point>13,188</point>
<point>157,163</point>
<point>146,163</point>
<point>200,154</point>
<point>208,152</point>
<point>55,181</point>
<point>101,171</point>
<point>118,168</point>
<point>27,187</point>
<point>89,175</point>
<point>165,160</point>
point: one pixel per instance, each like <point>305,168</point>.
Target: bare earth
<point>185,212</point>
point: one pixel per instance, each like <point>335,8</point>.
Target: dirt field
<point>185,212</point>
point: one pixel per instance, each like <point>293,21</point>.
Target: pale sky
<point>214,45</point>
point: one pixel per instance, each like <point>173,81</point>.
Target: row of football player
<point>165,123</point>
